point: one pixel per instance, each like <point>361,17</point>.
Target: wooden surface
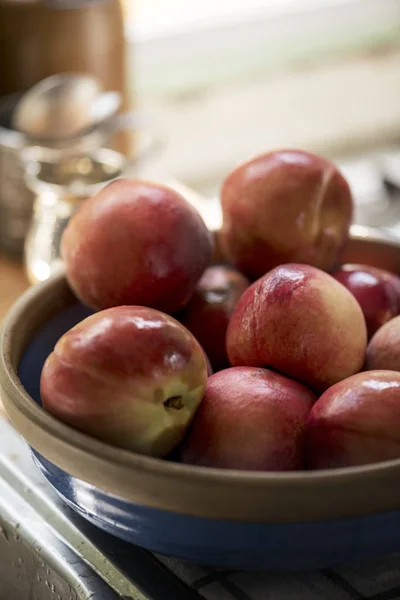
<point>12,283</point>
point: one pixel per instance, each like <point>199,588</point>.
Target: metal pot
<point>16,199</point>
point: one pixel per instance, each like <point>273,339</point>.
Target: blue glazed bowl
<point>275,521</point>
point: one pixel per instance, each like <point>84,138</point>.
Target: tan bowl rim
<point>18,401</point>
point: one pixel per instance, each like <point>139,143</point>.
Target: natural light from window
<point>161,17</point>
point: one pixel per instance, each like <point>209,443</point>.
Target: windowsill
<point>326,79</point>
<point>342,108</point>
<point>170,61</point>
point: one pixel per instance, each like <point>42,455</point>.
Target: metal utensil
<point>62,180</point>
<point>16,199</point>
<point>63,108</point>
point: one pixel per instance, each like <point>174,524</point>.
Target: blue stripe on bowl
<point>272,546</point>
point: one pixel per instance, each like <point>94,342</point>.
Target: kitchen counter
<point>12,283</point>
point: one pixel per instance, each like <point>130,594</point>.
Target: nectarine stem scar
<point>174,402</point>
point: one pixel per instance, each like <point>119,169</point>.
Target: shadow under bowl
<point>274,521</point>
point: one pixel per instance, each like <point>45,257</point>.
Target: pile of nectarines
<point>278,358</point>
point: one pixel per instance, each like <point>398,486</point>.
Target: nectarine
<point>383,351</point>
<point>376,290</point>
<point>285,206</point>
<point>137,243</point>
<point>130,376</point>
<point>301,322</point>
<point>209,310</point>
<point>251,419</point>
<point>356,422</point>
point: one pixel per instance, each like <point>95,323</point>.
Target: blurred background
<point>219,81</point>
<point>232,78</point>
<point>197,86</point>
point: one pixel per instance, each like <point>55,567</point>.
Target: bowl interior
<point>28,336</point>
<point>42,344</point>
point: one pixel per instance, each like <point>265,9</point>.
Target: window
<point>228,78</point>
<point>158,17</point>
<point>185,44</point>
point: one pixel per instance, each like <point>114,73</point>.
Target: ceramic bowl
<point>276,521</point>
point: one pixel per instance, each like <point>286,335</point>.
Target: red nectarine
<point>356,422</point>
<point>209,310</point>
<point>285,206</point>
<point>301,322</point>
<point>251,419</point>
<point>375,290</point>
<point>383,351</point>
<point>136,243</point>
<point>131,376</point>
